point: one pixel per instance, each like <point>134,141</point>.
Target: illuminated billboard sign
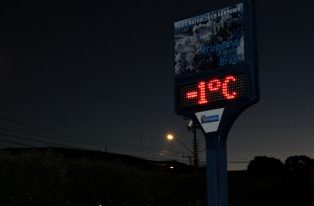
<point>215,75</point>
<point>214,60</point>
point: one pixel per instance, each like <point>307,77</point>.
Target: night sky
<point>99,75</point>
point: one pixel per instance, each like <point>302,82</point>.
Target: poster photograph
<point>209,41</point>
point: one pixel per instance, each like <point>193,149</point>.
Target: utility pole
<point>193,127</point>
<point>189,157</point>
<point>195,147</point>
<point>193,157</point>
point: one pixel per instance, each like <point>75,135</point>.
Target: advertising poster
<point>209,41</point>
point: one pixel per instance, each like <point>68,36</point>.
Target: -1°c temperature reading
<point>227,88</point>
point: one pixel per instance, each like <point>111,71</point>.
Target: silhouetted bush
<point>298,165</point>
<point>265,166</point>
<point>31,178</point>
<point>298,183</point>
<point>45,179</point>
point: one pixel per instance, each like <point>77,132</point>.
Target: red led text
<point>222,87</point>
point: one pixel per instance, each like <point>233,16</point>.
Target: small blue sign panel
<point>208,119</point>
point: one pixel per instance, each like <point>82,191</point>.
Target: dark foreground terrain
<point>82,178</point>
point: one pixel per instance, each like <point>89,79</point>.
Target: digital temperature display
<point>205,92</point>
<point>215,60</point>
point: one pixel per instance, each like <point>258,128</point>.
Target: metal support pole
<point>217,174</point>
<point>195,152</point>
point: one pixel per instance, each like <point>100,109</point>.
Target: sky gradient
<point>103,74</point>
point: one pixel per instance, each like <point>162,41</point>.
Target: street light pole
<point>184,145</point>
<point>193,127</point>
<point>195,147</point>
<point>194,151</point>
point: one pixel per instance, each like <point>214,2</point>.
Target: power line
<point>136,149</point>
<point>273,126</point>
<point>15,143</point>
<point>39,134</point>
<point>238,162</point>
<point>28,126</point>
<point>143,150</point>
<point>87,139</point>
<point>33,140</point>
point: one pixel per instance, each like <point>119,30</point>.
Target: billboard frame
<point>249,68</point>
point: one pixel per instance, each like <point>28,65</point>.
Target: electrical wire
<point>297,147</point>
<point>15,143</point>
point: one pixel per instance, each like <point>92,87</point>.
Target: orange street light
<point>170,137</point>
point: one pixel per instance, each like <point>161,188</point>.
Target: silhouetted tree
<point>298,165</point>
<point>262,165</point>
<point>298,182</point>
